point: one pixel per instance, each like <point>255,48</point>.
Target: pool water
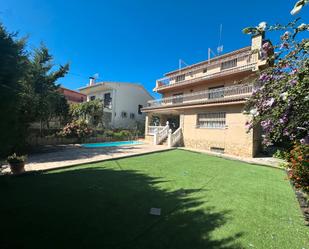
<point>110,144</point>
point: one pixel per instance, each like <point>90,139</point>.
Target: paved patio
<point>52,157</point>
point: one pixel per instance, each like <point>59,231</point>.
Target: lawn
<point>206,202</point>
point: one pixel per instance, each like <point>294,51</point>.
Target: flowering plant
<point>280,100</point>
<point>299,166</point>
<point>14,158</point>
<point>76,129</point>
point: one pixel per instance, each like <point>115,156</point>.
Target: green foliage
<point>28,91</point>
<point>281,154</point>
<point>41,98</point>
<point>280,101</point>
<point>76,129</point>
<point>14,158</point>
<point>92,111</point>
<point>299,166</point>
<point>13,65</point>
<point>119,134</point>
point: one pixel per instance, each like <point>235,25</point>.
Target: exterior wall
<point>226,82</point>
<point>125,98</point>
<point>148,139</point>
<point>72,96</point>
<point>211,69</point>
<point>234,138</point>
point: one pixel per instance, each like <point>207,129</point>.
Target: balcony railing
<point>244,56</point>
<point>207,96</point>
<point>154,129</point>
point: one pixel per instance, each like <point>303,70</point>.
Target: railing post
<point>169,138</point>
<point>155,138</point>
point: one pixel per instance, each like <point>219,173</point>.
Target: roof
<point>97,84</point>
<point>67,89</point>
<point>209,61</point>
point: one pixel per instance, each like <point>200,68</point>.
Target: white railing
<point>174,138</point>
<point>161,135</point>
<point>154,129</point>
<point>166,81</point>
<point>214,95</point>
<point>243,55</point>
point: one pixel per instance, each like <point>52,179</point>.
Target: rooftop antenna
<point>220,46</point>
<point>95,76</point>
<point>209,54</point>
<point>181,62</point>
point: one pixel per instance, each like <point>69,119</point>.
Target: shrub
<point>76,129</point>
<point>16,159</point>
<point>282,154</point>
<point>299,166</point>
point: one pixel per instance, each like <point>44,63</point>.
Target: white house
<point>122,102</point>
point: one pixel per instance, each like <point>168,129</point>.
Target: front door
<point>173,122</point>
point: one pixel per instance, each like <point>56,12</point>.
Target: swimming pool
<point>110,144</point>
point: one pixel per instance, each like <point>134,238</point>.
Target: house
<point>122,102</point>
<point>72,96</point>
<point>203,103</point>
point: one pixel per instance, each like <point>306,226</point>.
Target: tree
<point>28,91</point>
<point>280,102</point>
<point>41,98</point>
<point>13,66</point>
<point>91,111</point>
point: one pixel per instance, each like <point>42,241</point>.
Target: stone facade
<point>233,139</point>
<point>186,93</point>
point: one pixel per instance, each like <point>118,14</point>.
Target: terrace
<point>239,61</point>
<point>224,94</point>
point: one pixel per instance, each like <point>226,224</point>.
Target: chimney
<point>91,81</point>
<point>257,41</point>
<point>256,48</point>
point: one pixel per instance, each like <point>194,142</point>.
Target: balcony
<point>224,94</point>
<point>240,62</point>
<point>107,103</point>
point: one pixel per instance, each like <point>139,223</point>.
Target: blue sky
<point>138,40</point>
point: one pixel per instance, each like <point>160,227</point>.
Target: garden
<point>204,202</point>
<point>174,199</point>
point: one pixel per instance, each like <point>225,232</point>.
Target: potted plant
<point>17,163</point>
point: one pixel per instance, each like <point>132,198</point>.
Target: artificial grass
<point>206,202</point>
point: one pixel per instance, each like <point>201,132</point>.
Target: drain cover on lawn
<point>155,211</point>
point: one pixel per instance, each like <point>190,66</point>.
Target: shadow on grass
<point>104,208</point>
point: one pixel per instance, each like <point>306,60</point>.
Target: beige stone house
<point>203,104</point>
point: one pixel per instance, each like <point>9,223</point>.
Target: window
<point>132,115</point>
<point>217,149</point>
<point>124,115</point>
<point>205,70</point>
<point>107,100</point>
<point>92,97</point>
<point>180,77</point>
<point>140,109</point>
<point>228,64</point>
<point>216,92</point>
<point>211,120</point>
<point>178,98</point>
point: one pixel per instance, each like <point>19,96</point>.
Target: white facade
<point>122,102</point>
